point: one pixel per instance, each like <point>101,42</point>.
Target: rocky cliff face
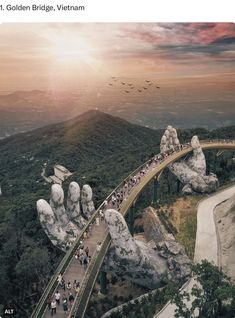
<point>191,172</point>
<point>146,264</point>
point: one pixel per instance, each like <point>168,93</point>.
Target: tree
<point>213,295</point>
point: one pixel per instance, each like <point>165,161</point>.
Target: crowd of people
<point>83,256</point>
<point>64,296</point>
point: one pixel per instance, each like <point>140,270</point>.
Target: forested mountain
<point>100,150</point>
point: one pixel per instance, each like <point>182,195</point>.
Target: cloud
<point>225,40</point>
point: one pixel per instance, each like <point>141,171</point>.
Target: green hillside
<point>100,150</point>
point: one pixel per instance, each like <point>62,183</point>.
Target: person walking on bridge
<point>57,297</point>
<point>87,251</point>
<point>53,307</point>
<point>65,306</point>
<point>71,298</point>
<point>49,300</point>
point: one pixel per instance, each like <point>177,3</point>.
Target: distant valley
<point>188,105</point>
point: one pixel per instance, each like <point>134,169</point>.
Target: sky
<point>64,56</point>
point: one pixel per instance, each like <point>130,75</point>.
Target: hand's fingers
<point>124,243</point>
<point>74,192</point>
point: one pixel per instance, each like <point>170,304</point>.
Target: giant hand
<point>146,264</point>
<point>191,172</point>
<point>53,229</point>
<point>62,225</point>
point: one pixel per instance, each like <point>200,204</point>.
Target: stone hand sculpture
<point>138,261</point>
<point>73,205</point>
<point>64,224</point>
<point>53,229</point>
<point>57,205</point>
<point>191,172</point>
<point>88,207</point>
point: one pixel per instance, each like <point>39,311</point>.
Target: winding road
<point>207,244</point>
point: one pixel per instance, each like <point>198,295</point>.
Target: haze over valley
<point>200,102</point>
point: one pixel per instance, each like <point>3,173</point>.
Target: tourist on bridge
<point>64,297</point>
<point>81,250</point>
<point>59,279</point>
<point>87,251</point>
<point>69,286</point>
<point>49,300</point>
<point>85,262</point>
<point>77,289</point>
<point>65,306</point>
<point>125,187</point>
<point>57,297</point>
<point>53,307</point>
<point>63,284</point>
<point>101,215</point>
<point>71,299</point>
<point>97,221</point>
<point>90,230</point>
<point>81,258</point>
<point>98,246</point>
<point>74,284</point>
<point>81,244</point>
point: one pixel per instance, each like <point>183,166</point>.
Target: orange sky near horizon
<point>67,56</point>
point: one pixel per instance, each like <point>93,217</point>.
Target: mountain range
<point>191,106</point>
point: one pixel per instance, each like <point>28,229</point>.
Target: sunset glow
<point>39,55</point>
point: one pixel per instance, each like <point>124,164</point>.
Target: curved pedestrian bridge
<point>71,269</point>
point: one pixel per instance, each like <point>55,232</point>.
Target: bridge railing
<point>82,298</point>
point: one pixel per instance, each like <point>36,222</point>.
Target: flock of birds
<point>128,87</point>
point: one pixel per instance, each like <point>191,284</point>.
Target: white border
<point>125,11</point>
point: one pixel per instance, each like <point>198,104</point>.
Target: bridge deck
<point>76,270</point>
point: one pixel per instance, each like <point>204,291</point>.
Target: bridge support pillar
<point>178,186</point>
<point>155,188</point>
<point>131,219</point>
<point>103,283</point>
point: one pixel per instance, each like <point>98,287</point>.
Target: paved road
<point>206,240</point>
